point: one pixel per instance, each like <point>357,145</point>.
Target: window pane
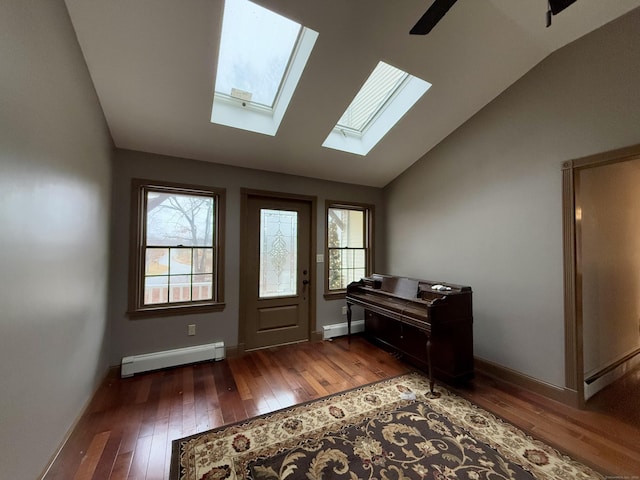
<point>203,260</point>
<point>202,287</point>
<point>156,261</point>
<point>278,252</point>
<point>335,269</point>
<point>358,258</point>
<point>356,274</point>
<point>346,228</point>
<point>168,275</point>
<point>346,266</point>
<point>180,288</point>
<point>156,290</point>
<point>177,219</point>
<point>255,49</point>
<point>180,261</point>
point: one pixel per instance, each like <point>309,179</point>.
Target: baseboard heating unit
<point>340,329</point>
<point>171,358</point>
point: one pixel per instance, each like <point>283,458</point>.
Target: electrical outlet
<point>344,310</point>
<point>191,329</point>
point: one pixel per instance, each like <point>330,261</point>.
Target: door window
<point>278,253</point>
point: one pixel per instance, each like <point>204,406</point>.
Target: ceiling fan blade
<point>557,6</point>
<point>432,16</point>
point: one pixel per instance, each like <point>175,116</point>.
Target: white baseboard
<point>340,329</point>
<point>590,389</point>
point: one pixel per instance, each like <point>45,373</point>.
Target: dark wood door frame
<point>245,193</point>
<point>571,224</point>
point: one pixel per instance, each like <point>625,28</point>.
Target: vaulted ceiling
<point>153,64</point>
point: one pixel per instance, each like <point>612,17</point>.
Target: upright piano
<point>429,323</point>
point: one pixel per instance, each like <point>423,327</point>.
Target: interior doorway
<point>277,287</point>
<point>602,270</point>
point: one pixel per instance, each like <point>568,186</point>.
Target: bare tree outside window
<point>178,247</point>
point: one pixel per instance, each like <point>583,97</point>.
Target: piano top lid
<point>411,288</point>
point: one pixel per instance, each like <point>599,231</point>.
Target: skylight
<point>382,101</point>
<point>255,49</point>
<point>381,84</point>
<point>261,58</point>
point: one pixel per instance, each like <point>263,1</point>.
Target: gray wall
<point>54,218</point>
<point>131,337</point>
<point>484,207</point>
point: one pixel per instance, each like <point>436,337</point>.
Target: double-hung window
<point>349,244</point>
<point>176,249</point>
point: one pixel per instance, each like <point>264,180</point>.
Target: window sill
<point>335,295</point>
<point>174,311</point>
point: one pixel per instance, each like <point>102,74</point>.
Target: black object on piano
<point>429,323</point>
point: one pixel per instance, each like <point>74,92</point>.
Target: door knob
<point>305,282</point>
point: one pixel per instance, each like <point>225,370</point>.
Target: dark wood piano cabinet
<point>429,323</point>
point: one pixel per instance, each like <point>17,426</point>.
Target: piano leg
<point>432,393</point>
<point>349,322</point>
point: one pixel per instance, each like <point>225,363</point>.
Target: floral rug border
<point>231,448</point>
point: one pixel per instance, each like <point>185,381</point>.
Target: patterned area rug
<point>391,429</point>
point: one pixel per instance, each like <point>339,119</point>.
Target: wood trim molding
<point>572,339</point>
<point>612,156</point>
<point>505,375</point>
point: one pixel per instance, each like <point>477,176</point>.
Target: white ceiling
<point>153,66</point>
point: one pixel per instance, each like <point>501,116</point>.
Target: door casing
<point>573,321</point>
<point>245,194</point>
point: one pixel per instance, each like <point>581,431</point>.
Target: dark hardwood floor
<point>127,430</point>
